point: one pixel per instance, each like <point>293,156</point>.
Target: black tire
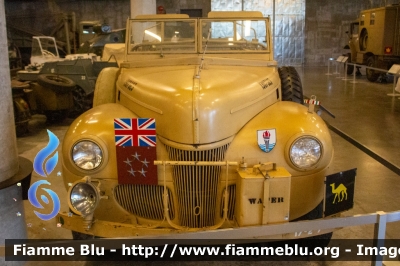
<point>82,102</point>
<point>56,82</point>
<point>292,89</point>
<point>372,75</point>
<point>350,68</point>
<point>363,41</point>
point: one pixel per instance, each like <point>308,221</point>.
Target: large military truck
<point>198,130</point>
<point>374,40</point>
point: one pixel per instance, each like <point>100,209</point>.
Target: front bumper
<point>107,229</point>
<point>262,179</point>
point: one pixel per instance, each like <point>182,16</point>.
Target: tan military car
<point>198,129</point>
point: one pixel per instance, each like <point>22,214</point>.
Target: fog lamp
<point>84,198</point>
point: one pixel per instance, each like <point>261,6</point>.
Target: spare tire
<point>292,90</point>
<point>56,82</point>
<point>363,41</point>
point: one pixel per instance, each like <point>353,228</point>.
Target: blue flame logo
<point>40,158</point>
<point>34,201</point>
<point>44,168</point>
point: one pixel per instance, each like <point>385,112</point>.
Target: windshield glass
<point>163,36</point>
<point>233,35</point>
<point>240,35</point>
<point>354,28</point>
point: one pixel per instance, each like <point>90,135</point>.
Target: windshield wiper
<point>204,52</point>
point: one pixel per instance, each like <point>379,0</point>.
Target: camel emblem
<point>340,192</point>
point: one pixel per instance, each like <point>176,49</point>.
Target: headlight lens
<point>305,152</point>
<point>84,198</point>
<point>87,155</point>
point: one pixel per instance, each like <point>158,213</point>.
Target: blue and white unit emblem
<point>266,139</point>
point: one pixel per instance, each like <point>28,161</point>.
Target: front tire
<point>372,75</point>
<point>292,89</point>
<point>350,68</point>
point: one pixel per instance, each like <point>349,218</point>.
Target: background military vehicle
<point>374,40</point>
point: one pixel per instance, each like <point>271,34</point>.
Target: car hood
<point>198,107</point>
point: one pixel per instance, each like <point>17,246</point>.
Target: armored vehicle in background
<point>61,86</point>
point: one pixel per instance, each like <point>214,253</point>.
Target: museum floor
<point>363,111</point>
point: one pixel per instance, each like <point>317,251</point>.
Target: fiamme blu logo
<point>44,164</point>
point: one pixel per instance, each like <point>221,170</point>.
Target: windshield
<point>163,36</point>
<point>240,35</point>
<point>354,28</point>
<point>44,46</point>
<point>186,36</point>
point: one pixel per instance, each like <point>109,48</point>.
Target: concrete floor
<point>363,110</point>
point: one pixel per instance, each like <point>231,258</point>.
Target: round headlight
<point>84,198</point>
<point>87,155</point>
<point>305,152</point>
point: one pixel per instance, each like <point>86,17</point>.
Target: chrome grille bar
<point>144,200</point>
<point>196,176</point>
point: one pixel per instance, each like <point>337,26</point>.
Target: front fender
<point>290,121</point>
<point>97,125</point>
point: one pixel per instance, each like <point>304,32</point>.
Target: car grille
<point>196,187</point>
<point>143,200</point>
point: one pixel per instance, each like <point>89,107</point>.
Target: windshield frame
<point>42,45</point>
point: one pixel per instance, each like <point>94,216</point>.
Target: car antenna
<point>202,57</point>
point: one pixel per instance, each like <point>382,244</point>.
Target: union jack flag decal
<point>135,132</point>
